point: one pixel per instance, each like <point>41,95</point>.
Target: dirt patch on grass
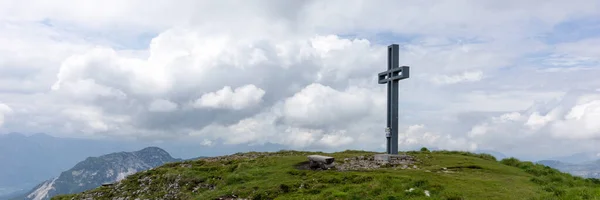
<point>303,165</point>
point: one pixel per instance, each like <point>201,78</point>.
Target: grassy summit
<point>441,174</point>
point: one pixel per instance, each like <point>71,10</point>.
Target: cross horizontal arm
<point>394,74</point>
<point>397,78</point>
<point>397,69</point>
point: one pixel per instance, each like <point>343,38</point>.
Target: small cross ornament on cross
<point>391,78</point>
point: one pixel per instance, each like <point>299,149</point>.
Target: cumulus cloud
<point>162,105</point>
<point>570,119</point>
<point>240,98</point>
<point>263,128</point>
<point>581,119</point>
<point>319,105</point>
<point>418,135</point>
<point>4,110</point>
<point>94,120</point>
<point>464,77</point>
<point>206,142</point>
<point>289,73</point>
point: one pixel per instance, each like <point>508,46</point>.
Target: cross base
<point>389,158</point>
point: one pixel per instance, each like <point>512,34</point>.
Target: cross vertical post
<point>391,77</point>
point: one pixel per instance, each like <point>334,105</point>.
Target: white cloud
<point>477,130</point>
<point>570,120</point>
<point>416,136</point>
<point>4,110</point>
<point>319,105</point>
<point>537,121</point>
<point>464,77</point>
<point>579,51</point>
<point>301,77</point>
<point>94,120</point>
<point>206,142</point>
<point>162,105</point>
<point>301,137</point>
<point>104,72</point>
<point>240,98</point>
<point>336,139</point>
<point>581,121</point>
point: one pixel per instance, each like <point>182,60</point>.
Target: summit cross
<point>391,77</point>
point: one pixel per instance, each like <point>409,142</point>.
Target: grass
<point>476,176</point>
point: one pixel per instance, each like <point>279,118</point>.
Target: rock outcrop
<point>369,162</point>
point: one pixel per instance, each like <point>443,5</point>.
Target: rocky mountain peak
<point>95,171</point>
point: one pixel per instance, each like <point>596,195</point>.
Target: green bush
<point>484,156</point>
<point>510,161</point>
<point>236,179</point>
<point>284,188</point>
<point>593,180</point>
<point>420,183</point>
<point>391,198</point>
<point>424,149</point>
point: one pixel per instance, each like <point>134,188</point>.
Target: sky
<point>519,77</point>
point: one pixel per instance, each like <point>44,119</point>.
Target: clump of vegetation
<point>424,149</point>
<point>440,174</point>
<point>558,184</point>
<point>484,156</point>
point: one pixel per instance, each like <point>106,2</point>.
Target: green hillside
<point>441,174</point>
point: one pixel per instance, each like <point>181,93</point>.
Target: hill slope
<point>434,175</point>
<point>94,171</point>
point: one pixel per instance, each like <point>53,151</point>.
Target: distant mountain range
<point>586,169</point>
<point>27,160</point>
<point>95,171</point>
<point>578,158</point>
<point>254,175</point>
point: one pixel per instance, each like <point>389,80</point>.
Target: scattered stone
<point>410,190</point>
<point>173,189</point>
<point>240,156</point>
<point>204,186</point>
<point>186,165</point>
<point>369,162</point>
<point>427,193</point>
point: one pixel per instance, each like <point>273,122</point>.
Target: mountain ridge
<point>281,175</point>
<point>22,153</point>
<point>95,171</point>
<point>589,169</point>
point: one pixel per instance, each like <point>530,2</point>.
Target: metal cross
<point>391,77</point>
